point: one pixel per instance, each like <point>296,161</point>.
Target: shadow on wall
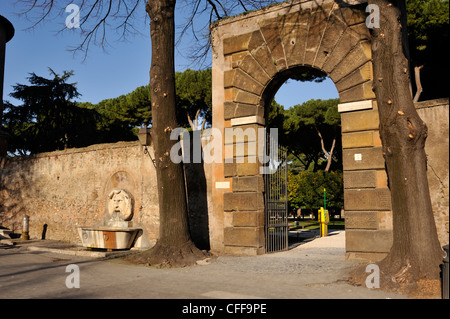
<point>197,197</point>
<point>14,184</point>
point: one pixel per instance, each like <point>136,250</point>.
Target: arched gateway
<point>253,55</point>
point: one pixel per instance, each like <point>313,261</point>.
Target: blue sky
<point>119,69</point>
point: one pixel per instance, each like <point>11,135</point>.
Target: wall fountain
<point>114,232</point>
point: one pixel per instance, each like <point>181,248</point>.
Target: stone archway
<point>253,55</point>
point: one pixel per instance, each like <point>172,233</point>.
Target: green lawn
<point>314,224</point>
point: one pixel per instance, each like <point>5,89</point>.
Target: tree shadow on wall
<point>14,180</point>
<point>197,194</point>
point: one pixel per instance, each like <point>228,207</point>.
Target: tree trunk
<point>412,265</point>
<point>174,246</point>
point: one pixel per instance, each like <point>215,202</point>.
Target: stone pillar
<point>367,199</point>
<point>244,205</point>
<point>6,34</point>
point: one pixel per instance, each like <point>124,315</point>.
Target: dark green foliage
<point>48,119</point>
<point>119,118</point>
<point>307,74</point>
<point>428,25</point>
<point>193,94</point>
<point>306,190</point>
<point>302,123</point>
<point>298,131</point>
<point>276,116</point>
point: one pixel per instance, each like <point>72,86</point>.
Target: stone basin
<point>107,237</point>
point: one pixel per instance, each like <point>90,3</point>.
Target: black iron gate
<point>275,199</point>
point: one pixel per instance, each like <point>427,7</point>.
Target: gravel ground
<point>315,256</point>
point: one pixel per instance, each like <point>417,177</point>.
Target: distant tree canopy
<point>193,97</point>
<point>306,190</point>
<point>305,127</point>
<point>49,119</point>
<point>311,131</point>
<point>118,118</point>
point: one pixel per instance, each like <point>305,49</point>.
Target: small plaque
<point>222,185</point>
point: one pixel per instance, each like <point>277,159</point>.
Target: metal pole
<point>26,228</point>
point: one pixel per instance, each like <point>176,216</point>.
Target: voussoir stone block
<point>349,39</point>
<point>236,44</point>
<point>233,110</point>
<point>363,91</point>
<point>294,35</point>
<point>259,50</point>
<point>334,30</point>
<point>358,56</point>
<point>245,82</point>
<point>271,34</point>
<point>317,23</point>
<point>350,16</point>
<point>239,96</point>
<point>237,58</point>
<point>254,69</point>
<point>360,75</point>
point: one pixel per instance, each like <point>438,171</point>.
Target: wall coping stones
<point>288,5</point>
<point>69,151</point>
<point>431,103</point>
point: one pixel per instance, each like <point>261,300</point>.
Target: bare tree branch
<point>418,83</point>
<point>99,16</point>
<point>327,154</point>
<point>96,18</point>
<point>216,10</point>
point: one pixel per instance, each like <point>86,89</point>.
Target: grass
<point>314,224</point>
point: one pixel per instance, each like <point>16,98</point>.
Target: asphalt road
<point>313,270</point>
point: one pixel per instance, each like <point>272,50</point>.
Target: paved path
<point>315,269</point>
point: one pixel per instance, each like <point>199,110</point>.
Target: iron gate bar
<point>275,197</point>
